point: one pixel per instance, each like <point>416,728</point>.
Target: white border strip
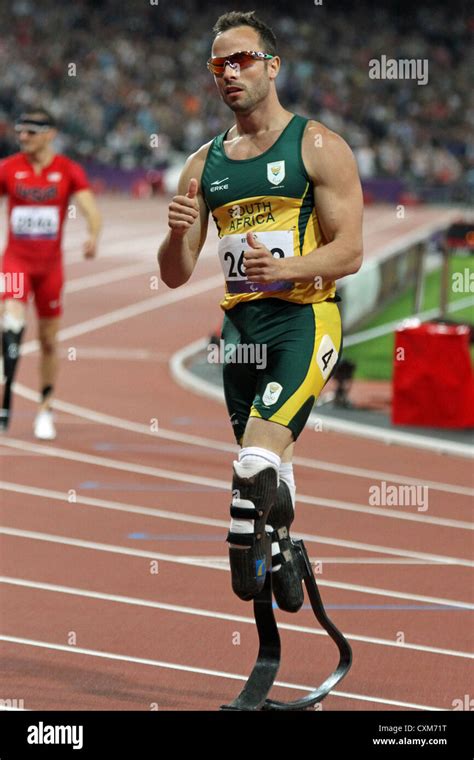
<point>213,614</point>
<point>371,333</point>
<point>178,516</point>
<point>202,671</point>
<point>172,475</point>
<point>310,500</point>
<point>403,242</point>
<point>186,379</point>
<point>223,447</point>
<point>190,561</point>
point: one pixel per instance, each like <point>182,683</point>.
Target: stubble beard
<point>249,100</point>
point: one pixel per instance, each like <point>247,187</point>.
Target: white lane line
<point>200,520</point>
<point>196,611</point>
<point>223,485</point>
<point>179,560</point>
<point>104,353</point>
<point>178,516</point>
<point>191,382</point>
<point>222,446</point>
<point>119,247</point>
<point>196,520</point>
<point>202,671</point>
<point>390,436</point>
<point>115,274</point>
<point>418,234</point>
<point>133,310</point>
<point>393,513</point>
<point>115,464</point>
<point>113,505</point>
<point>219,560</point>
<point>360,472</point>
<point>389,327</point>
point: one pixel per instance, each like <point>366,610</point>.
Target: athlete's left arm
<point>87,204</point>
<point>332,168</point>
<point>339,205</point>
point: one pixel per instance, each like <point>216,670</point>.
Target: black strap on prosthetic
<point>11,351</point>
<point>259,490</point>
<point>281,557</point>
<point>243,539</point>
<point>254,694</point>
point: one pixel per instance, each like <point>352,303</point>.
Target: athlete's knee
<point>47,337</point>
<point>14,312</point>
<point>267,434</point>
<point>48,346</point>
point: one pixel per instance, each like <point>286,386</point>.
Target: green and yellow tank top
<point>272,196</point>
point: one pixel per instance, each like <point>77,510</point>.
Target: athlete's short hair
<point>249,18</point>
<point>42,114</point>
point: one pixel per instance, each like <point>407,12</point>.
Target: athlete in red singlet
<point>39,184</point>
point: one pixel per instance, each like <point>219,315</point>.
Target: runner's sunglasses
<point>32,126</point>
<point>241,59</point>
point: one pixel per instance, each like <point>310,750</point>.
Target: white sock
<point>252,459</point>
<point>286,474</point>
<point>12,323</point>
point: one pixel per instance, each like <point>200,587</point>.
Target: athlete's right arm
<point>187,218</point>
<point>3,177</point>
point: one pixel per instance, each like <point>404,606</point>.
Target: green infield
<point>374,357</point>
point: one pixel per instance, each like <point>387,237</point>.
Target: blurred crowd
<point>129,87</point>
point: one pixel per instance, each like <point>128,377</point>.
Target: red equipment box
<point>433,381</point>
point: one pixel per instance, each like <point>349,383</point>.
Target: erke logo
<point>217,185</point>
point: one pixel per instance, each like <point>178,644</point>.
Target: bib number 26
<point>235,269</point>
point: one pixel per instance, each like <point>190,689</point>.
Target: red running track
<point>115,590</point>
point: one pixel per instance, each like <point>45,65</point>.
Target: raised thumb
<point>192,188</point>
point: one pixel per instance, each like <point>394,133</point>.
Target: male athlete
<point>285,195</point>
<point>39,184</point>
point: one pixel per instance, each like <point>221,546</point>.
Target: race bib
<point>231,254</point>
<point>35,222</point>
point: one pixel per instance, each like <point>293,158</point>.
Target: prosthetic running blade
<point>254,694</point>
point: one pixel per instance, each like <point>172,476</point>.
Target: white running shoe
<point>44,426</point>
